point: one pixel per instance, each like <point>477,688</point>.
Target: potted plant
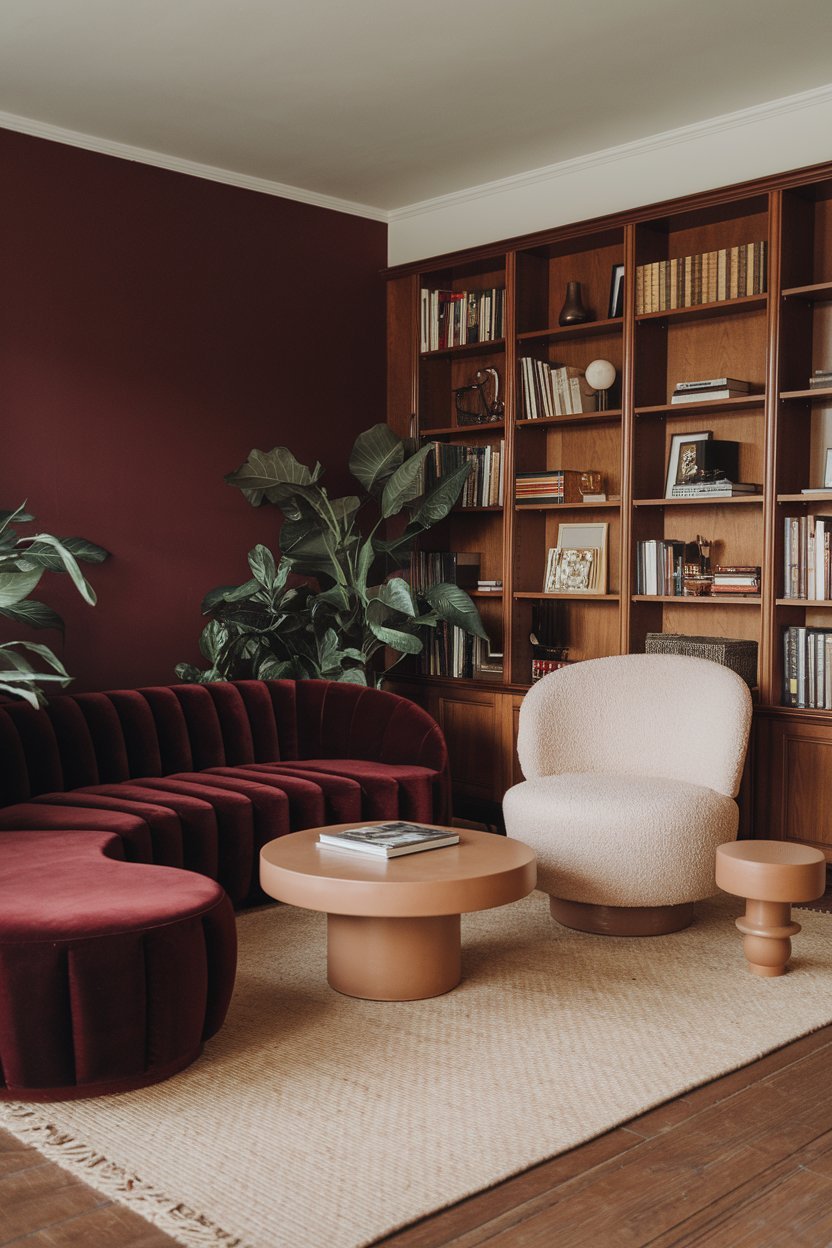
<point>23,561</point>
<point>335,600</point>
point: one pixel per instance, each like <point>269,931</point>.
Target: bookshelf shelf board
<point>817,293</point>
<point>803,602</point>
<point>699,502</point>
<point>567,597</point>
<point>464,511</point>
<point>489,347</point>
<point>709,405</point>
<point>705,600</point>
<point>485,593</point>
<point>819,392</point>
<point>817,496</point>
<point>611,416</point>
<point>586,329</point>
<point>565,506</point>
<point>493,426</point>
<point>703,311</point>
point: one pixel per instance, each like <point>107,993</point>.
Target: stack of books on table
<point>821,379</point>
<point>710,388</point>
<point>389,840</point>
<point>738,578</point>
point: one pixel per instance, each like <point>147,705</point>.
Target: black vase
<point>573,311</point>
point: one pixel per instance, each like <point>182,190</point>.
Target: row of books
<point>437,567</point>
<point>484,484</point>
<point>807,560</point>
<point>807,668</point>
<point>729,273</point>
<point>742,579</point>
<point>659,567</point>
<point>548,390</point>
<point>558,485</point>
<point>708,389</point>
<point>455,318</point>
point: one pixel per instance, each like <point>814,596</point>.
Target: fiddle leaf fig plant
<point>336,597</point>
<point>23,561</point>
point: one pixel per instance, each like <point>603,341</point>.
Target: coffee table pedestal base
<point>389,959</point>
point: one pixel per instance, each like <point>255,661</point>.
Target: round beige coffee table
<point>393,924</point>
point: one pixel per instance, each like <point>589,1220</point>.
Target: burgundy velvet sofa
<point>130,828</point>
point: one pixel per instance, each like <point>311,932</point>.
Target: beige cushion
<point>620,840</point>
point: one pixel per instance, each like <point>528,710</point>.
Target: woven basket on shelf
<point>733,652</point>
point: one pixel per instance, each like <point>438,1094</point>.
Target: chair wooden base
<point>621,920</point>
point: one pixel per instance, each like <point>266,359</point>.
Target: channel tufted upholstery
<point>131,821</point>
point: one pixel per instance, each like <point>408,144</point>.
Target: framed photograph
<point>578,564</point>
<point>682,461</point>
<point>616,307</point>
<point>827,471</point>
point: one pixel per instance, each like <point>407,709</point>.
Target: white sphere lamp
<point>600,374</point>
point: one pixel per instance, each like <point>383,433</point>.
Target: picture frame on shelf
<point>681,459</point>
<point>616,305</point>
<point>827,471</point>
<point>578,564</point>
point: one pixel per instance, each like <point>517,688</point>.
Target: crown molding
<point>668,138</point>
<point>177,164</point>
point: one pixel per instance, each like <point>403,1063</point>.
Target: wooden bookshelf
<point>773,340</point>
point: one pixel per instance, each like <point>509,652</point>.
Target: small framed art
<point>578,564</point>
<point>682,462</point>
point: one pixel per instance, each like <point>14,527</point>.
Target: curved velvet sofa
<point>130,827</point>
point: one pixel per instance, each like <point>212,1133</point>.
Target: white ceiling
<point>390,102</point>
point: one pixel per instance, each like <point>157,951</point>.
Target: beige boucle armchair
<point>632,765</point>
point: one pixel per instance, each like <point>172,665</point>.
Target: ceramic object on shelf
<point>573,311</point>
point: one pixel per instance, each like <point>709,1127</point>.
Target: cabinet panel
<point>471,724</point>
<point>794,795</point>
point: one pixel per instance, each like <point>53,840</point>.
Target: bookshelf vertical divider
<point>770,333</point>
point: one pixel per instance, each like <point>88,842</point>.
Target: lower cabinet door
<point>471,722</point>
<point>794,781</point>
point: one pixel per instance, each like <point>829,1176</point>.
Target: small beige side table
<point>771,875</point>
<point>393,924</point>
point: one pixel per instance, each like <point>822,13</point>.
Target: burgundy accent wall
<point>155,327</point>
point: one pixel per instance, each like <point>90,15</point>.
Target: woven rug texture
<point>317,1121</point>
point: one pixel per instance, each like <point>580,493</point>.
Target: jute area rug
<point>318,1121</point>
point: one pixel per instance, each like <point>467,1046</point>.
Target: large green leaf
<point>18,667</point>
<point>396,594</point>
<point>266,473</point>
<point>46,556</point>
<point>68,563</point>
<point>394,637</point>
<point>262,564</point>
<point>9,517</point>
<point>453,604</point>
<point>439,501</point>
<point>15,586</point>
<point>35,614</point>
<point>406,484</point>
<point>376,455</point>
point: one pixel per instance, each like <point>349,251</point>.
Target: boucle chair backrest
<point>639,714</point>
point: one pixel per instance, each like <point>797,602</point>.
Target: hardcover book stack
<point>560,485</point>
<point>455,318</point>
<point>731,273</point>
<point>821,379</point>
<point>659,567</point>
<point>548,390</point>
<point>709,389</point>
<point>807,668</point>
<point>484,486</point>
<point>807,566</point>
<point>741,579</point>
